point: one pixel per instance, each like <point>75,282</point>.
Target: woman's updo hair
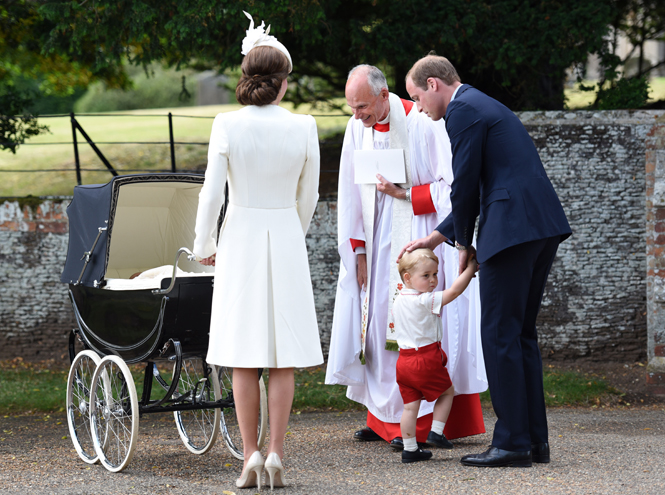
<point>263,70</point>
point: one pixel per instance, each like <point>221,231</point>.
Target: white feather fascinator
<point>260,37</point>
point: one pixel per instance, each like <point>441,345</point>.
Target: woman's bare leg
<point>247,401</point>
<point>280,399</point>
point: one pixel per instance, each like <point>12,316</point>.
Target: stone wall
<point>595,300</point>
<point>35,313</point>
<point>35,316</point>
<point>595,304</point>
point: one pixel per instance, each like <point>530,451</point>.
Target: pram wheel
<point>114,413</point>
<point>78,404</point>
<point>229,419</point>
<point>198,428</point>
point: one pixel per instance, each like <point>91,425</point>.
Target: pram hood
<point>146,218</point>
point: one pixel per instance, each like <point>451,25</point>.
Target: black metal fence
<point>77,128</point>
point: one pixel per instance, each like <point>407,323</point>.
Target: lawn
<point>576,99</point>
<point>41,387</point>
<point>142,126</point>
<point>191,125</point>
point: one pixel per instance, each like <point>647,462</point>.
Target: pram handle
<point>190,256</point>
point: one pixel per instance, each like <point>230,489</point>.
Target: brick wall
<point>595,306</point>
<point>655,243</point>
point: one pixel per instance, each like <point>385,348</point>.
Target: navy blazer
<point>497,174</point>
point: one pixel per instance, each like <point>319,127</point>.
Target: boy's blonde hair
<point>410,259</point>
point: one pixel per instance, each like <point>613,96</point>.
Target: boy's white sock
<point>410,444</point>
<point>437,427</point>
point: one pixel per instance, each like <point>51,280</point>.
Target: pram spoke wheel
<point>198,428</point>
<point>79,384</point>
<point>114,413</point>
<point>229,420</point>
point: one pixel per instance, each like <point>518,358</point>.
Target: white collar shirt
<point>417,318</point>
<point>455,92</point>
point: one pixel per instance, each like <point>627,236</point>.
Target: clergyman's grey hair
<point>375,78</point>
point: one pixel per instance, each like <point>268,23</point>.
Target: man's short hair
<point>410,259</point>
<point>375,78</point>
<point>432,66</point>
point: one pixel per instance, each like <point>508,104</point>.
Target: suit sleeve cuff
<point>421,199</point>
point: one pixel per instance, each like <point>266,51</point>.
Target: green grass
<point>139,127</point>
<point>25,388</point>
<point>577,99</point>
<point>569,388</point>
<point>41,387</point>
<point>312,394</point>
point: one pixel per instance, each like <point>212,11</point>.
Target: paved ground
<point>594,451</point>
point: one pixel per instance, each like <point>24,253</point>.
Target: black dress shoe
<point>436,440</point>
<point>366,435</point>
<point>418,455</point>
<point>397,444</point>
<point>494,457</point>
<point>540,452</point>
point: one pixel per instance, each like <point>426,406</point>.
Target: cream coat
<point>263,306</point>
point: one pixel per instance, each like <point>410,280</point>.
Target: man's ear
<point>432,84</point>
<point>385,94</point>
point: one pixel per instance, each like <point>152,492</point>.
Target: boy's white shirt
<point>418,318</point>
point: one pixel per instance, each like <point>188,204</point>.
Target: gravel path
<point>593,451</point>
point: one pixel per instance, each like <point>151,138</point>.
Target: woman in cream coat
<point>263,306</point>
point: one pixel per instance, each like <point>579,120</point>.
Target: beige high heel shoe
<point>275,470</point>
<point>252,474</point>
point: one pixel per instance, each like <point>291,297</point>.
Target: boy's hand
<point>473,263</point>
<point>465,257</point>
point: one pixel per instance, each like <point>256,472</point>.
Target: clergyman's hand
<point>389,188</point>
<point>362,271</point>
<point>465,256</point>
<point>431,241</point>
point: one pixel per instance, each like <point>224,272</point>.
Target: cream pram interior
<point>151,222</point>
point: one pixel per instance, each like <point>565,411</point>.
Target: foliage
<point>27,74</point>
<point>15,128</point>
<point>624,93</point>
<point>156,88</point>
<point>515,50</point>
<point>623,82</point>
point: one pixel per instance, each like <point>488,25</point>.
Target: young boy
<point>421,366</point>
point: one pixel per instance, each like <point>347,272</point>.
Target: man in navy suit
<point>499,176</point>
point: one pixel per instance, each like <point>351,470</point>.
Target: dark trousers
<point>511,289</point>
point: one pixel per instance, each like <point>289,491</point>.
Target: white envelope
<point>389,163</point>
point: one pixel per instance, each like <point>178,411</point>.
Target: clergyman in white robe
<point>373,384</point>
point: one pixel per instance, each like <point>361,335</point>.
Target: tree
<point>638,21</point>
<point>515,50</point>
<point>23,33</point>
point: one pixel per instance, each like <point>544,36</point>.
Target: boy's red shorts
<point>422,373</point>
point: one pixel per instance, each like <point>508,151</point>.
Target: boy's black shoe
<point>418,455</point>
<point>436,440</point>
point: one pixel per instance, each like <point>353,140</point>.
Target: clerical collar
<point>384,125</point>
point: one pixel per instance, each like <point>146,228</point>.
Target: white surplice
<point>263,305</point>
<point>374,383</point>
